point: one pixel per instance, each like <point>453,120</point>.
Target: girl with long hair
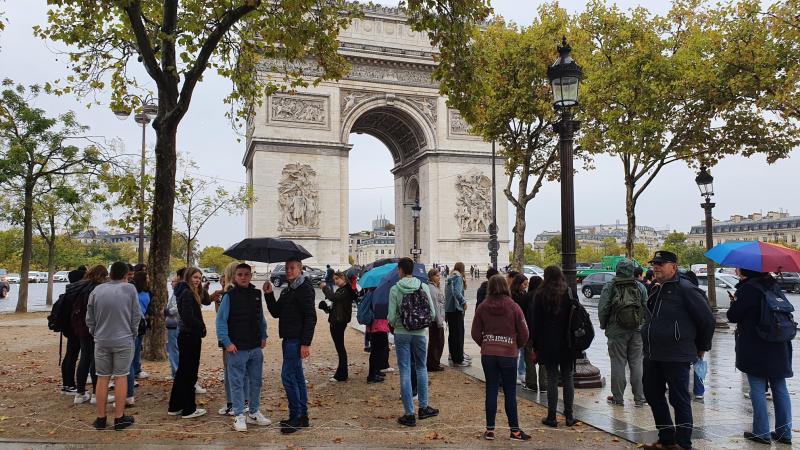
<point>192,331</point>
<point>94,277</point>
<point>436,330</point>
<point>142,283</point>
<point>340,312</point>
<point>551,319</point>
<point>455,306</point>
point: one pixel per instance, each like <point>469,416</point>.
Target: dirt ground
<point>344,415</point>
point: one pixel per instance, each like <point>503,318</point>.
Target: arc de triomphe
<point>297,150</point>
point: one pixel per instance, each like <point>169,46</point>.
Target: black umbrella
<point>379,262</point>
<point>353,271</point>
<point>267,250</point>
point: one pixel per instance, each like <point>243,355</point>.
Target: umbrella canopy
<point>380,262</point>
<point>267,250</point>
<point>755,255</point>
<point>380,298</point>
<point>373,277</point>
<point>353,271</point>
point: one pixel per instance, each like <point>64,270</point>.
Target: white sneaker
<point>143,375</point>
<point>197,413</point>
<point>82,398</point>
<point>225,411</point>
<point>239,423</point>
<point>387,370</point>
<point>169,378</point>
<point>258,419</point>
<point>199,389</point>
<point>110,397</point>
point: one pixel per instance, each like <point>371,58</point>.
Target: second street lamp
<point>565,76</point>
<point>148,112</point>
<point>416,251</point>
<point>705,182</point>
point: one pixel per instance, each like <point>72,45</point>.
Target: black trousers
<point>379,353</point>
<point>435,346</point>
<point>182,396</point>
<point>455,340</point>
<point>337,334</point>
<point>86,364</point>
<point>656,377</point>
<point>70,361</point>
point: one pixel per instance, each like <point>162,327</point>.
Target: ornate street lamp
<point>494,245</point>
<point>148,112</point>
<point>565,76</point>
<point>416,251</point>
<point>705,182</point>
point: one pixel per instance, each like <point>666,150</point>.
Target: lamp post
<point>565,76</point>
<point>149,110</point>
<point>416,251</point>
<point>705,182</point>
<point>494,245</point>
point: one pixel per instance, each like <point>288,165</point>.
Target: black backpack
<point>415,311</point>
<point>776,323</point>
<point>580,331</point>
<point>59,318</point>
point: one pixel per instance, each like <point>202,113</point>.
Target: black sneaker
<point>754,438</point>
<point>292,425</point>
<point>409,420</point>
<point>367,349</point>
<point>373,380</point>
<point>520,435</point>
<point>123,422</point>
<point>100,423</point>
<point>69,390</point>
<point>781,439</point>
<point>549,422</point>
<point>427,412</point>
<point>570,421</point>
<point>304,422</point>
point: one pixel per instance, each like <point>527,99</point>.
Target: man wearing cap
<point>678,330</point>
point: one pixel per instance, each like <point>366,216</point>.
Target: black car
<point>278,275</point>
<point>789,281</point>
<point>593,283</point>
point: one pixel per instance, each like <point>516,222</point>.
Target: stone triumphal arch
<point>297,150</point>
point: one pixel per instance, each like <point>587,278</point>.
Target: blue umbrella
<point>380,297</point>
<point>373,277</point>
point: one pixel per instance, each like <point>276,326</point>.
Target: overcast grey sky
<point>672,201</point>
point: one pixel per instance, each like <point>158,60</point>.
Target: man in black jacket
<point>678,330</point>
<point>296,321</point>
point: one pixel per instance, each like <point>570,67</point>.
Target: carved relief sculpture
<point>425,105</point>
<point>294,109</point>
<point>458,125</point>
<point>298,198</point>
<point>474,202</point>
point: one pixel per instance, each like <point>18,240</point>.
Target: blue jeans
<point>294,382</point>
<point>408,346</point>
<point>136,364</point>
<point>781,403</point>
<point>172,349</point>
<point>497,370</point>
<point>521,366</point>
<point>245,368</point>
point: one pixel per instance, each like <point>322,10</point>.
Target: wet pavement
<point>719,420</point>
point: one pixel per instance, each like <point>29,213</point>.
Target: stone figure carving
<point>298,198</point>
<point>359,71</point>
<point>474,202</point>
<point>293,109</point>
<point>458,125</point>
<point>351,99</point>
<point>425,105</point>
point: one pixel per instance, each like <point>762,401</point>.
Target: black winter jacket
<point>481,293</point>
<point>342,309</point>
<point>753,354</point>
<point>191,316</point>
<point>678,322</point>
<point>295,312</point>
<point>550,331</point>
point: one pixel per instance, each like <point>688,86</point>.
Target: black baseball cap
<point>663,256</point>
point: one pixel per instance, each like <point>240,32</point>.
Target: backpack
<point>415,310</point>
<point>580,331</point>
<point>776,323</point>
<point>364,313</point>
<point>59,318</point>
<point>626,303</point>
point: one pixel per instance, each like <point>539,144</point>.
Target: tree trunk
<point>51,267</point>
<point>518,255</point>
<point>161,239</point>
<point>27,249</point>
<point>630,212</point>
<point>189,254</point>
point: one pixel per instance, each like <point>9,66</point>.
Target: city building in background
<point>367,246</point>
<point>594,235</point>
<point>93,235</point>
<point>774,226</point>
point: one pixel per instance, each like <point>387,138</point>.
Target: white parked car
<point>13,278</point>
<point>724,283</point>
<point>61,276</point>
<point>37,277</point>
<point>531,270</point>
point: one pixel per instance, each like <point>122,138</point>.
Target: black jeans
<point>567,373</point>
<point>86,364</point>
<point>337,333</point>
<point>379,353</point>
<point>497,370</point>
<point>455,340</point>
<point>657,376</point>
<point>70,361</point>
<point>182,396</point>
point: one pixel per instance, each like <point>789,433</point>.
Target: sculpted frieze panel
<point>297,108</point>
<point>474,202</point>
<point>360,71</point>
<point>298,199</point>
<point>458,126</point>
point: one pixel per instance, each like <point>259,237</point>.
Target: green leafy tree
<point>175,42</point>
<point>212,257</point>
<point>655,93</point>
<point>31,151</point>
<point>123,201</point>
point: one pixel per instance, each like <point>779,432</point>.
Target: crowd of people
<point>658,326</point>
